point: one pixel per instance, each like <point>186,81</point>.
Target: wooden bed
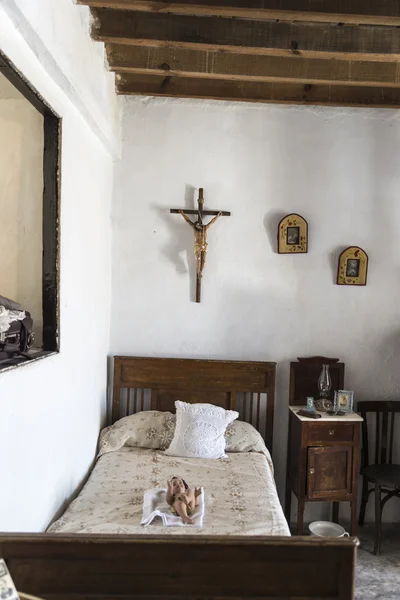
<point>105,567</point>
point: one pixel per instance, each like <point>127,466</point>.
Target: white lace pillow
<point>199,431</point>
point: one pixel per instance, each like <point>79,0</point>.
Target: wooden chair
<point>384,475</point>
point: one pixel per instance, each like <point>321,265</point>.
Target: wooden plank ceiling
<point>327,52</point>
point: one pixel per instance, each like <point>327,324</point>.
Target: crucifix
<point>200,234</point>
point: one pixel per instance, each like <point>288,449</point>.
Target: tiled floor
<point>378,577</point>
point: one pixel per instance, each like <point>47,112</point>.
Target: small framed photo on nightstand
<point>343,400</point>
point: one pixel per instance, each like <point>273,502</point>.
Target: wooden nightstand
<point>323,462</point>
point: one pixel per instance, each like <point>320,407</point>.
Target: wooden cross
<point>200,234</point>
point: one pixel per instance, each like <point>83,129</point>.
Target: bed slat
<point>258,408</point>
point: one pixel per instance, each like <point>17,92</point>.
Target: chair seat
<point>384,475</point>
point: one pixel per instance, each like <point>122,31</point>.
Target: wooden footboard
<point>124,567</point>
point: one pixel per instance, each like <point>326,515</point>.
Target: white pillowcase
<point>200,430</point>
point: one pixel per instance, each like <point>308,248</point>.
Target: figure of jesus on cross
<point>200,234</point>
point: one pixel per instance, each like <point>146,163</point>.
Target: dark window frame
<point>51,212</point>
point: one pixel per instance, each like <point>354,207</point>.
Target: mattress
<point>240,494</point>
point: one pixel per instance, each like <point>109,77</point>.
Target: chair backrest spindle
<point>384,434</point>
<point>377,436</point>
<point>364,450</point>
<point>391,438</point>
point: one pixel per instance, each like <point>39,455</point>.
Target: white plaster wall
<point>51,411</point>
<point>58,33</point>
<point>21,202</point>
<point>336,167</point>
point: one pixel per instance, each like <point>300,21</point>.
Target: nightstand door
<point>329,472</point>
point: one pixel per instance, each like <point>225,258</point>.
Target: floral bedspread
<point>240,494</point>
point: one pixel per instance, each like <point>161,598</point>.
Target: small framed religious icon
<point>343,401</point>
<point>292,235</point>
<point>352,267</point>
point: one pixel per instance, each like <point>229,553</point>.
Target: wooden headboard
<point>155,383</point>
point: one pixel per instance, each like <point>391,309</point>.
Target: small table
<point>323,462</point>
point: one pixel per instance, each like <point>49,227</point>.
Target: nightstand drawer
<point>329,432</point>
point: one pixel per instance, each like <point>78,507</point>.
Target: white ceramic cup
<point>327,529</point>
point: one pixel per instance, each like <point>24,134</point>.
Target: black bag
<point>19,336</point>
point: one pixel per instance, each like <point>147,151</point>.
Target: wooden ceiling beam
<point>244,36</point>
<point>244,67</point>
<point>282,93</point>
<point>334,11</point>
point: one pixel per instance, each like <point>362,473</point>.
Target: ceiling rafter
<point>245,91</point>
<point>182,62</point>
<point>333,11</point>
<point>259,37</point>
<point>329,52</point>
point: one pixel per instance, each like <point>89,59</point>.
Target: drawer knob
<point>311,471</point>
<point>331,432</point>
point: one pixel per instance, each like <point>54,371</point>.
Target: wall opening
<point>29,210</point>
